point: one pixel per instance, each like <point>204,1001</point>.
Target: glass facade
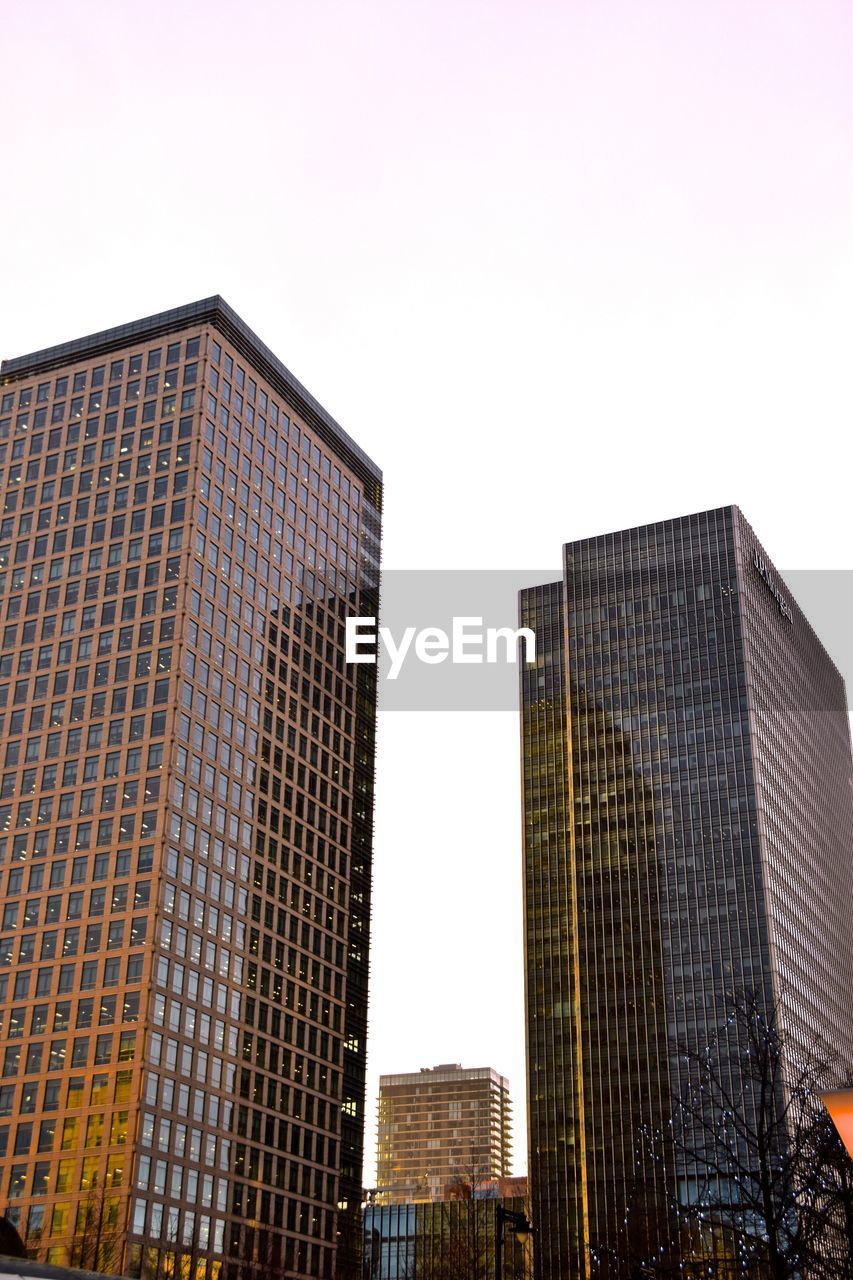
<point>186,811</point>
<point>443,1240</point>
<point>686,772</point>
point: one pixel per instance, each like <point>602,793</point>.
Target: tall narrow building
<point>186,808</point>
<point>442,1131</point>
<point>687,837</point>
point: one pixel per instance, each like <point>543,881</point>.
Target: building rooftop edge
<point>425,1074</point>
<point>651,524</point>
<point>217,312</point>
<point>803,620</point>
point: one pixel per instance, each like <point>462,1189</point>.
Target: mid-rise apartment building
<point>441,1131</point>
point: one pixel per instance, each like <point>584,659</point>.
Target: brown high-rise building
<point>443,1132</point>
<point>186,811</point>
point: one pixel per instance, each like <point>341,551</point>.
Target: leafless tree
<point>159,1261</point>
<point>96,1245</point>
<point>466,1247</point>
<point>768,1179</point>
<point>456,1241</point>
<point>260,1256</point>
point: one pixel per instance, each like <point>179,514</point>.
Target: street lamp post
<point>521,1228</point>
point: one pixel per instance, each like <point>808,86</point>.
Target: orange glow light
<point>839,1104</point>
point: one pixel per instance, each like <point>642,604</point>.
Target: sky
<point>560,268</point>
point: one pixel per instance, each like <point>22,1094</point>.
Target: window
<point>47,1134</point>
<point>103,1053</point>
<point>107,1013</point>
<point>127,1046</point>
<point>76,1095</point>
<point>23,1139</point>
<point>95,1123</point>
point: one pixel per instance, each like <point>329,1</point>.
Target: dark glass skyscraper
<point>186,804</point>
<point>687,833</point>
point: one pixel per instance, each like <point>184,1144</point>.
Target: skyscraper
<point>441,1130</point>
<point>186,810</point>
<point>687,836</point>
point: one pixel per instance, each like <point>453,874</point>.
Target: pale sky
<point>559,268</point>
